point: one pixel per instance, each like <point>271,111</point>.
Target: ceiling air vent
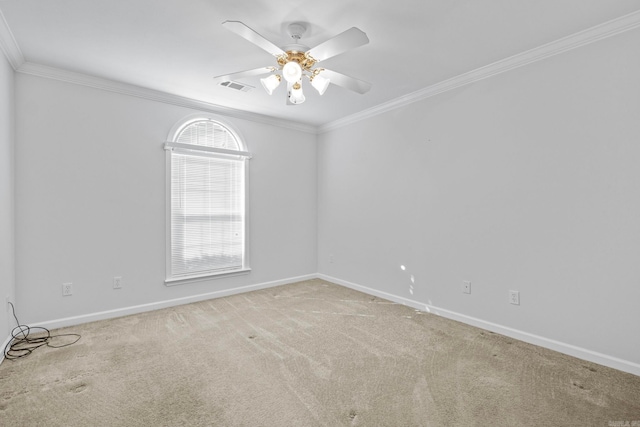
<point>237,86</point>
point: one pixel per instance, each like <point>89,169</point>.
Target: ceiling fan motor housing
<point>306,62</point>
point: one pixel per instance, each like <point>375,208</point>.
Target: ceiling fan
<point>296,61</point>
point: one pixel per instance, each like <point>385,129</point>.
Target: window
<point>206,190</point>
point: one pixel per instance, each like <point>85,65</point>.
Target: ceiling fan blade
<point>247,73</point>
<point>343,42</point>
<point>346,82</point>
<point>243,31</point>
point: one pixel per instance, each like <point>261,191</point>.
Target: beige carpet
<point>306,354</point>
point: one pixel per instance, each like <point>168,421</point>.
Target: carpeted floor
<point>306,354</point>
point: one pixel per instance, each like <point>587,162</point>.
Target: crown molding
<point>155,95</point>
<point>9,45</point>
<point>573,41</point>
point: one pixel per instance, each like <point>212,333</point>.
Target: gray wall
<point>90,201</point>
<point>528,181</point>
<point>7,254</point>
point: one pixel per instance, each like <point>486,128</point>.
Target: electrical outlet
<point>330,258</point>
<point>117,282</point>
<point>7,300</point>
<point>514,297</point>
<point>466,287</point>
<point>67,289</point>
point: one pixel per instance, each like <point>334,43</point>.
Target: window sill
<point>200,278</point>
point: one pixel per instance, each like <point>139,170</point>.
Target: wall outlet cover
<point>466,287</point>
<point>514,297</point>
<point>67,289</point>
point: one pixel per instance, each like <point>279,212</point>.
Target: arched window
<point>207,218</point>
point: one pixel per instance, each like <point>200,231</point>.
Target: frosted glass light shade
<point>292,71</point>
<point>270,83</point>
<point>320,83</point>
<point>297,97</point>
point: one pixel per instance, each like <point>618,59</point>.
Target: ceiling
<point>177,46</point>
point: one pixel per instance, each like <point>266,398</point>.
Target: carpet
<point>306,354</point>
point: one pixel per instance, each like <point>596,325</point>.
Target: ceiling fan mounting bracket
<point>297,30</point>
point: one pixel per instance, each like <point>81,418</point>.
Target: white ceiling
<point>177,46</point>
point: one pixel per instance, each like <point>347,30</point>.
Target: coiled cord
<point>23,342</point>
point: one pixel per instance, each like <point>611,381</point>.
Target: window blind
<point>207,214</point>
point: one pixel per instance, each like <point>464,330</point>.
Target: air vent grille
<point>237,86</point>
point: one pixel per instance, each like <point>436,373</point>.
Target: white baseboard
<point>571,350</point>
<point>4,345</point>
<point>581,353</point>
<point>125,311</point>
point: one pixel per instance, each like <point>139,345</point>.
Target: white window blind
<point>207,202</point>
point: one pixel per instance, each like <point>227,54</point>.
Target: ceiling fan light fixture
<point>292,71</point>
<point>270,83</point>
<point>295,61</point>
<point>320,83</point>
<point>296,96</point>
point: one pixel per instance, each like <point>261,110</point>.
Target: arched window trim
<point>179,127</point>
<point>171,146</point>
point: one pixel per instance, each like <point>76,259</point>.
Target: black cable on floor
<point>23,342</point>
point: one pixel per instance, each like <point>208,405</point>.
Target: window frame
<point>243,153</point>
